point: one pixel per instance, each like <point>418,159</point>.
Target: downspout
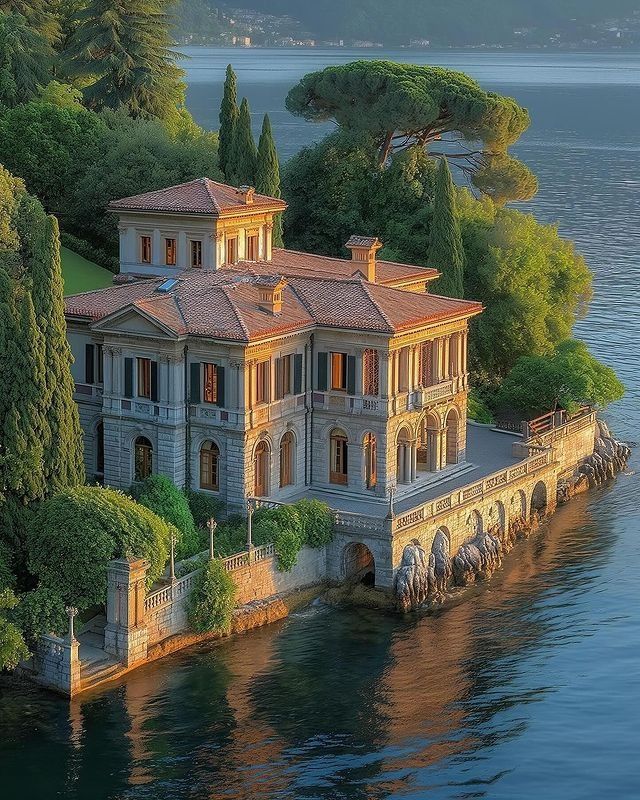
<point>187,409</point>
<point>309,409</point>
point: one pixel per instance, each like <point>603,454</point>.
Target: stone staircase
<point>96,666</point>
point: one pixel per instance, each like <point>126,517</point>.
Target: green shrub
<point>264,531</point>
<point>287,546</point>
<point>13,647</point>
<point>7,578</point>
<point>231,536</point>
<point>40,611</point>
<point>317,522</point>
<point>203,507</point>
<point>73,535</point>
<point>95,254</point>
<point>212,599</point>
<point>160,495</point>
<point>478,410</point>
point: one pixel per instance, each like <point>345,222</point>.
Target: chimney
<point>270,293</point>
<point>247,193</point>
<point>364,249</point>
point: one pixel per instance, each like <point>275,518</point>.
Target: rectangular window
<point>339,372</point>
<point>283,376</point>
<point>210,383</point>
<point>170,252</point>
<point>426,364</point>
<point>371,382</point>
<point>252,247</point>
<point>196,253</point>
<point>232,250</point>
<point>99,372</point>
<point>145,249</point>
<point>262,382</point>
<point>144,378</point>
<point>338,460</point>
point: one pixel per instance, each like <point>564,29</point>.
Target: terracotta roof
<point>294,262</point>
<point>226,305</point>
<point>200,196</point>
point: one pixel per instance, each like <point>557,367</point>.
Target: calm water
<point>529,687</point>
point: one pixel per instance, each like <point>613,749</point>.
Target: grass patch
<point>81,275</point>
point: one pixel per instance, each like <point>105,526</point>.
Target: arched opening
<point>539,499</point>
<point>370,450</point>
<point>338,457</point>
<point>453,436</point>
<point>519,505</point>
<point>359,564</point>
<point>404,465</point>
<point>143,459</point>
<point>496,516</point>
<point>287,460</point>
<point>100,448</point>
<point>474,523</point>
<point>427,456</point>
<point>261,469</point>
<point>210,466</point>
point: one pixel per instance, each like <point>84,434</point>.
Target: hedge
<point>212,599</point>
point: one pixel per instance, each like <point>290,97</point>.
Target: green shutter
<point>323,370</point>
<point>220,385</point>
<point>128,377</point>
<point>194,386</point>
<point>154,381</point>
<point>297,374</point>
<point>88,363</point>
<point>351,374</point>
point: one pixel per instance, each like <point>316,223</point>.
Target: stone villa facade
<point>244,370</point>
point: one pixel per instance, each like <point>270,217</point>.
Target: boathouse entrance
<point>358,564</point>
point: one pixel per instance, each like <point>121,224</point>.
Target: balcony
<point>426,395</point>
<point>348,404</point>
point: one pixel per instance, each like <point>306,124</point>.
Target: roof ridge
<point>225,291</point>
<point>206,182</point>
<point>365,286</point>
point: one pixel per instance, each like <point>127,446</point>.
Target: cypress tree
<point>446,252</point>
<point>243,151</point>
<point>228,119</point>
<point>268,174</point>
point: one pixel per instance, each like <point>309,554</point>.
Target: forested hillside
<point>447,21</point>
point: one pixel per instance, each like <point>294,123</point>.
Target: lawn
<point>81,275</point>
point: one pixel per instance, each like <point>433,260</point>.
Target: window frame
<point>370,461</point>
<point>196,247</point>
<point>143,378</point>
<point>170,251</point>
<point>231,241</point>
<point>146,243</point>
<point>338,458</point>
<point>284,382</point>
<point>338,365</point>
<point>253,240</point>
<point>206,367</point>
<point>262,382</point>
<point>371,372</point>
<point>210,464</point>
<point>142,452</point>
<point>287,460</point>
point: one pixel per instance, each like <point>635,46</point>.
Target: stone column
<point>125,634</point>
<point>414,461</point>
<point>406,472</point>
<point>385,375</point>
<point>442,447</point>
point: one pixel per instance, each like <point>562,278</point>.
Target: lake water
<point>527,688</point>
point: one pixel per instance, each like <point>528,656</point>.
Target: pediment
<point>134,321</point>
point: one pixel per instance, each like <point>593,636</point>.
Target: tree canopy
<point>445,240</point>
<point>25,60</point>
<point>401,105</point>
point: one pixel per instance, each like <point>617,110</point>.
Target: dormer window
<point>232,249</point>
<point>170,252</point>
<point>145,249</point>
<point>252,247</point>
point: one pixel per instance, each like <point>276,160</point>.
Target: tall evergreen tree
<point>268,173</point>
<point>40,441</point>
<point>228,118</point>
<point>242,167</point>
<point>446,252</point>
<point>123,47</point>
<point>25,60</point>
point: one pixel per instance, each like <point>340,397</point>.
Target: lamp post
<point>172,561</point>
<point>212,525</point>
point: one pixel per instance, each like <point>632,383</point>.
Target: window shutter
<point>220,382</point>
<point>88,363</point>
<point>128,377</point>
<point>154,381</point>
<point>323,367</point>
<point>194,383</point>
<point>279,378</point>
<point>351,374</point>
<point>297,374</point>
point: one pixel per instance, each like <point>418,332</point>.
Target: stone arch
<point>452,426</point>
<point>404,447</point>
<point>496,516</point>
<point>209,461</point>
<point>428,432</point>
<point>539,499</point>
<point>475,523</point>
<point>358,563</point>
<point>287,460</point>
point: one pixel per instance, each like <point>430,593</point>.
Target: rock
<point>422,578</point>
<point>478,558</point>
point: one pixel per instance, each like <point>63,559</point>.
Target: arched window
<point>370,447</point>
<point>209,466</point>
<point>143,462</point>
<point>287,452</point>
<point>452,436</point>
<point>338,453</point>
<point>261,468</point>
<point>100,448</point>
